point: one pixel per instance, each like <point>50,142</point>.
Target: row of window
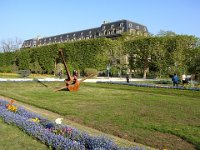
<point>60,39</point>
<point>98,32</point>
<point>68,38</point>
<point>137,27</point>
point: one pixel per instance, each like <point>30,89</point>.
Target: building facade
<point>107,30</point>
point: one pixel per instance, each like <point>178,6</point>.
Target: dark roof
<point>106,26</point>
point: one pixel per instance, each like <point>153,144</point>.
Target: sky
<point>26,19</point>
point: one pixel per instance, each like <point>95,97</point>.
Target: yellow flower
<point>34,119</point>
<point>12,108</point>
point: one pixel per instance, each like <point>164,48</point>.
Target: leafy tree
<point>144,52</point>
<point>194,64</point>
<point>179,50</point>
<point>162,33</point>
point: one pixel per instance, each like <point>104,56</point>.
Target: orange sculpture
<point>72,83</point>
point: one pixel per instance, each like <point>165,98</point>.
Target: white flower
<point>58,120</point>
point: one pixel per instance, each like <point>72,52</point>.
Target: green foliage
<point>35,67</point>
<point>60,68</point>
<point>160,55</point>
<point>90,71</point>
<point>163,82</point>
<point>87,53</point>
<point>24,73</point>
<point>7,69</point>
<point>7,61</point>
<point>194,64</point>
<point>115,71</point>
<point>166,33</point>
<point>23,59</point>
<point>194,61</point>
<point>46,57</point>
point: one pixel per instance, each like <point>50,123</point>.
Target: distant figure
<point>184,80</point>
<point>175,80</point>
<point>127,78</point>
<point>75,73</point>
<point>60,74</point>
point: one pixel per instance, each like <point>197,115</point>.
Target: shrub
<point>89,71</point>
<point>163,82</point>
<point>24,73</point>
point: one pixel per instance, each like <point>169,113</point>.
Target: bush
<point>6,69</point>
<point>24,73</point>
<point>163,82</point>
<point>89,71</point>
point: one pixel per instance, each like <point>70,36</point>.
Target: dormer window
<point>112,26</point>
<point>103,27</point>
<point>130,24</point>
<point>121,24</point>
<point>137,27</point>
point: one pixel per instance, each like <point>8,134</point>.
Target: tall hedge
<point>83,54</point>
<point>88,53</point>
<point>159,54</point>
<point>7,61</point>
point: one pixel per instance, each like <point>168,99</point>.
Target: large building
<point>107,29</point>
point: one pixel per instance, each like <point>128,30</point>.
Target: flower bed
<point>154,86</point>
<point>54,134</point>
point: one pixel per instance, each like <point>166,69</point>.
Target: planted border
<point>154,86</point>
<point>54,135</point>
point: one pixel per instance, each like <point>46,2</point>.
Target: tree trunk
<point>55,67</point>
<point>145,72</point>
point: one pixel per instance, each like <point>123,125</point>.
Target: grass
<point>9,75</point>
<point>12,138</point>
<point>162,118</point>
<point>16,75</point>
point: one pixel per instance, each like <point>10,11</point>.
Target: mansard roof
<point>106,29</point>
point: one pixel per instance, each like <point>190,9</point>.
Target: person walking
<point>175,80</point>
<point>127,78</point>
<point>184,81</point>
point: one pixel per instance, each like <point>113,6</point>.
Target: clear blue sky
<point>26,19</point>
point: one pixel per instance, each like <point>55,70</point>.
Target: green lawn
<point>16,75</point>
<point>161,118</point>
<point>12,138</point>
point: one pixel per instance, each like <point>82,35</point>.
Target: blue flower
<point>68,138</point>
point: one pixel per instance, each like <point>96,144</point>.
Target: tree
<point>117,56</point>
<point>10,45</point>
<point>143,52</point>
<point>180,50</point>
<point>165,33</point>
<point>194,64</point>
